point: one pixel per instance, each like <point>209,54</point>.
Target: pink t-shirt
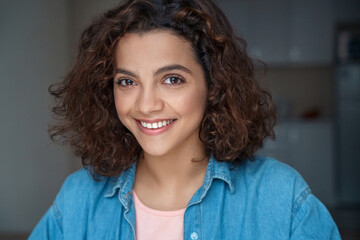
<point>155,224</point>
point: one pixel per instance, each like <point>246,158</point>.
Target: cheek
<point>122,106</point>
<point>193,104</point>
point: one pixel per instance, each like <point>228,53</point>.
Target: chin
<point>155,151</point>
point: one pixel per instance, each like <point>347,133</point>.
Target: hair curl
<point>239,114</point>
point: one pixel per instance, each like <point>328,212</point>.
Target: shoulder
<point>269,167</point>
<point>275,191</point>
<point>270,177</point>
<point>80,187</point>
<point>82,181</point>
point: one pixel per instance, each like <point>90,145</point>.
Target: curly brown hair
<point>239,114</point>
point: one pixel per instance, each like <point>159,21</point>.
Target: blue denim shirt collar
<point>123,185</point>
<point>215,170</point>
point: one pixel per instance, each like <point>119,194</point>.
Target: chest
<point>216,215</point>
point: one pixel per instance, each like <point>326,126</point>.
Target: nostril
<point>148,103</point>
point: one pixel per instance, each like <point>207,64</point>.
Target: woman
<point>163,108</point>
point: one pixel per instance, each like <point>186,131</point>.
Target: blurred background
<point>312,49</point>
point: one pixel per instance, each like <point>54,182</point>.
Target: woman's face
<point>160,91</point>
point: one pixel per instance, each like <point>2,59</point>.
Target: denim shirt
<point>261,199</point>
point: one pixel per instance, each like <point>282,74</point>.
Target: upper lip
<point>154,120</point>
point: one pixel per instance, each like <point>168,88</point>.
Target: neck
<point>174,168</point>
<point>169,181</point>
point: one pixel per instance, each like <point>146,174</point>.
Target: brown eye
<point>125,82</point>
<point>173,80</point>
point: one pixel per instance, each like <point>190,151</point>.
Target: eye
<point>173,80</point>
<point>124,82</point>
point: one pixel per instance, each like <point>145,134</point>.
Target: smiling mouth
<point>156,125</point>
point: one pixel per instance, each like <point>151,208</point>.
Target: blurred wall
<point>80,15</point>
<point>37,47</point>
<point>34,52</point>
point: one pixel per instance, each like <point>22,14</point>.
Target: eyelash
<point>174,80</point>
<point>179,80</point>
<point>125,82</point>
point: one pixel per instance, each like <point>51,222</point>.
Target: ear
<point>212,93</point>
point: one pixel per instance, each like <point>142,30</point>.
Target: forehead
<point>154,45</point>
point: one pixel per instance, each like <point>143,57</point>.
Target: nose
<point>149,101</point>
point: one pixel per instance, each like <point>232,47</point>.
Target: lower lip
<point>155,131</point>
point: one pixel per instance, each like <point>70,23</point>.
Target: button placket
<point>192,222</point>
<point>194,236</point>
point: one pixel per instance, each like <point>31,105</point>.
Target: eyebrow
<point>172,67</point>
<point>126,72</point>
<point>157,72</point>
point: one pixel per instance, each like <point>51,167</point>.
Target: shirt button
<point>194,236</point>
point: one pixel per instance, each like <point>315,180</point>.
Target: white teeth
<point>156,125</point>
